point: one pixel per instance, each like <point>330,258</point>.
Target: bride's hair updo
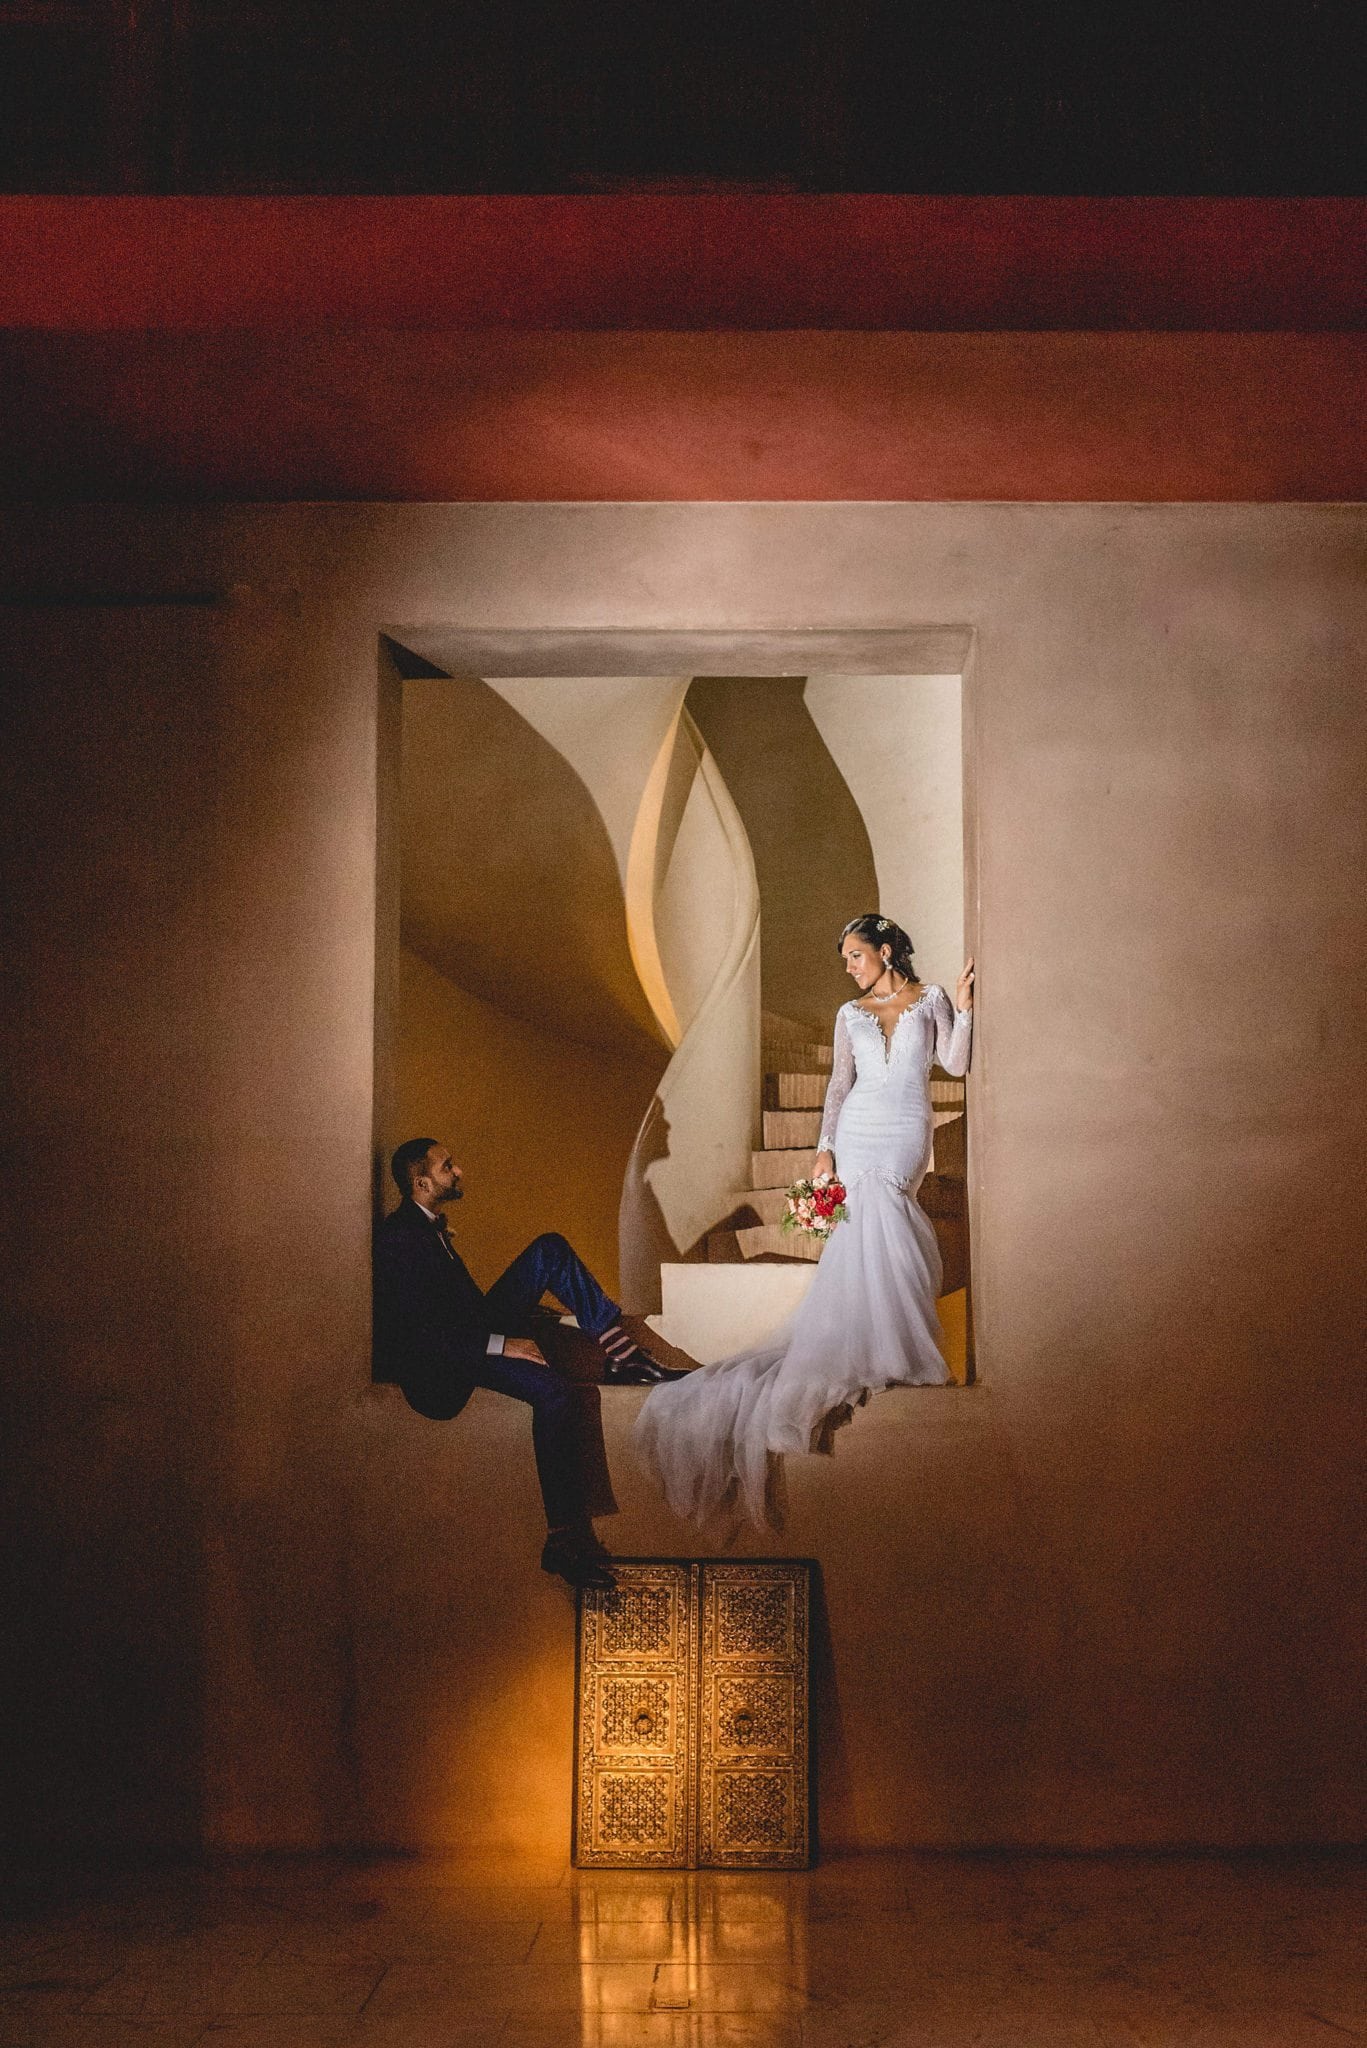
<point>880,932</point>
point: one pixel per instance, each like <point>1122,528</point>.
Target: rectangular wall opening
<point>612,881</point>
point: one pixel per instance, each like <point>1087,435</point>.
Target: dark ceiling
<point>953,96</point>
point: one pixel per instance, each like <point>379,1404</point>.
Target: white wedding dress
<point>714,1441</point>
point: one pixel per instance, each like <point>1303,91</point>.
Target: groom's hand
<point>523,1347</point>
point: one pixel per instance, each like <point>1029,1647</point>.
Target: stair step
<point>939,1196</point>
<point>785,1129</point>
<point>766,1240</point>
<point>778,1166</point>
<point>946,1093</point>
<point>780,1169</point>
<point>723,1248</point>
<point>951,1235</point>
<point>787,1028</point>
<point>791,1048</point>
<point>713,1311</point>
<point>758,1205</point>
<point>950,1155</point>
<point>794,1059</point>
<point>795,1091</point>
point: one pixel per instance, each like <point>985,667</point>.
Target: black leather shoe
<point>577,1565</point>
<point>642,1372</point>
<point>657,1347</point>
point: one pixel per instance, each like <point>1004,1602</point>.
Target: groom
<point>438,1337</point>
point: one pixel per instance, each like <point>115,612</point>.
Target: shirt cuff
<point>496,1344</point>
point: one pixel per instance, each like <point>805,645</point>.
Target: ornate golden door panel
<point>691,1728</point>
<point>752,1725</point>
<point>634,1777</point>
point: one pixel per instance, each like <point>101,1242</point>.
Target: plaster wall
<point>541,1127</point>
<point>811,846</point>
<point>509,881</point>
<point>610,728</point>
<point>851,789</point>
<point>695,884</point>
<point>515,984</point>
<point>1109,1595</point>
<point>898,742</point>
<point>573,882</point>
<point>694,1148</point>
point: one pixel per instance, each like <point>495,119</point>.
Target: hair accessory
<point>883,925</point>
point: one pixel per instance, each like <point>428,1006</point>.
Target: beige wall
<point>609,728</point>
<point>528,813</point>
<point>898,742</point>
<point>1109,1595</point>
<point>509,878</point>
<point>813,859</point>
<point>696,870</point>
<point>851,788</point>
<point>516,1027</point>
<point>542,1128</point>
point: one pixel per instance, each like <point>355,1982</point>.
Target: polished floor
<point>885,1952</point>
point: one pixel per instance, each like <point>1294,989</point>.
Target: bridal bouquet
<point>815,1206</point>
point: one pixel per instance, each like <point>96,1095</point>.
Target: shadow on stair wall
<point>813,858</point>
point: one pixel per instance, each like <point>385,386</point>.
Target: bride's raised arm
<point>841,1082</point>
<point>954,1028</point>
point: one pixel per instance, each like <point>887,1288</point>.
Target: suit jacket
<point>431,1328</point>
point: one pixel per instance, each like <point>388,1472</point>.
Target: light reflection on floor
<point>727,1948</point>
<point>877,1952</point>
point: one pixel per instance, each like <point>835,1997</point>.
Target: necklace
<point>892,992</point>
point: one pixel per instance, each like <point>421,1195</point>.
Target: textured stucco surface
<point>1110,1595</point>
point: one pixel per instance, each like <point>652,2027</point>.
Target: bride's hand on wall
<point>963,994</point>
<point>825,1163</point>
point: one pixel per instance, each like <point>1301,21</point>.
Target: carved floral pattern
<point>637,1621</point>
<point>754,1714</point>
<point>634,1713</point>
<point>633,1810</point>
<point>753,1809</point>
<point>754,1621</point>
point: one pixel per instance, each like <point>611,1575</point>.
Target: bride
<point>714,1440</point>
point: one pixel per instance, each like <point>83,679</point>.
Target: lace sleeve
<point>953,1034</point>
<point>842,1080</point>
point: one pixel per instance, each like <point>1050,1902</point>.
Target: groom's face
<point>442,1178</point>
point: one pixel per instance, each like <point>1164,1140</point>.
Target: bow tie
<point>441,1226</point>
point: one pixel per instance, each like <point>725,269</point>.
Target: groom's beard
<point>455,1194</point>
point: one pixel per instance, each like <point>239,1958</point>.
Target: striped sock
<point>621,1349</point>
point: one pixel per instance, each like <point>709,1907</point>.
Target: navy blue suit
<point>432,1330</point>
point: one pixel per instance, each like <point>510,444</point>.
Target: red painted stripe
<point>651,416</point>
<point>685,262</point>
